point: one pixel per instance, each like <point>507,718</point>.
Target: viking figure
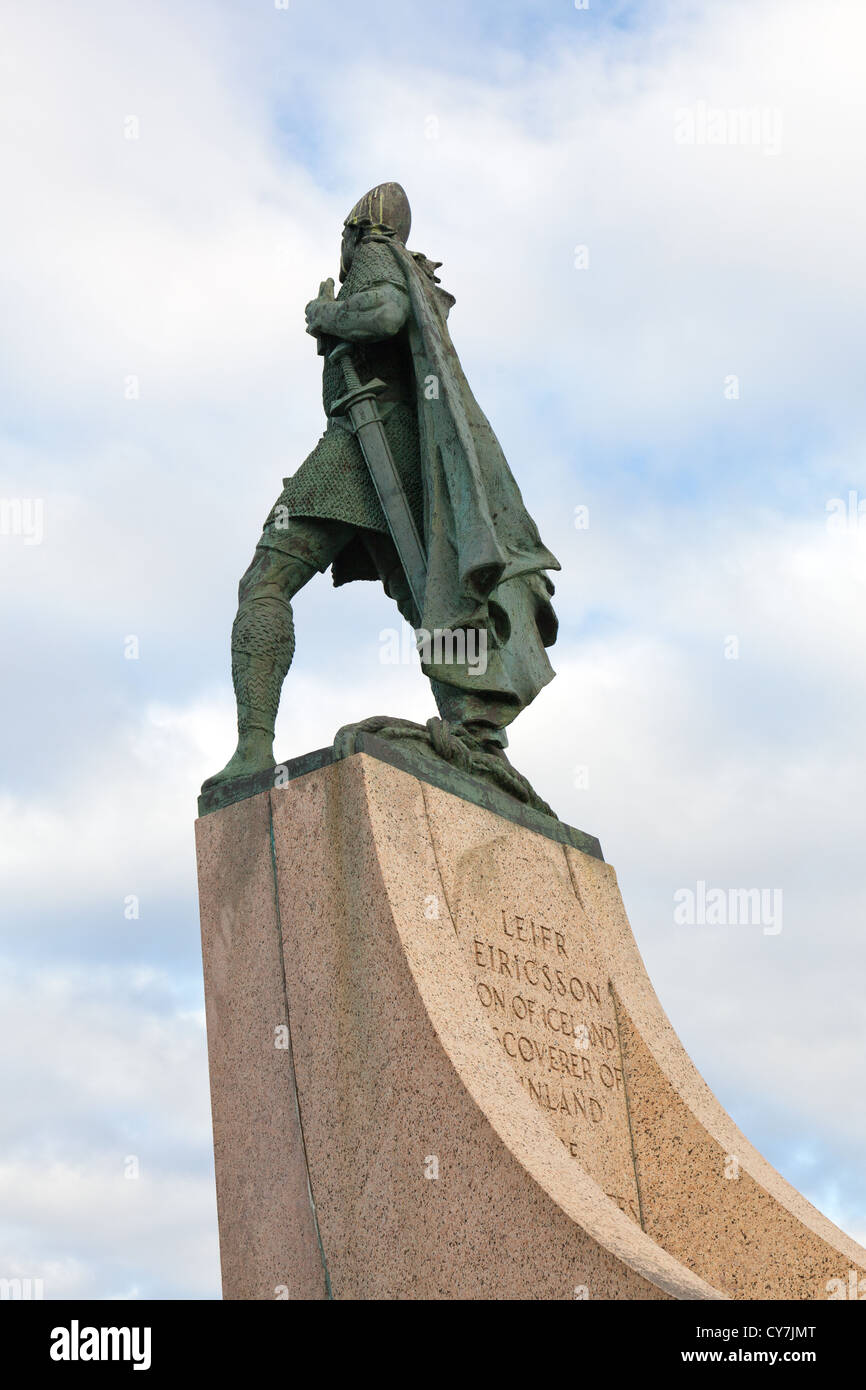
<point>483,566</point>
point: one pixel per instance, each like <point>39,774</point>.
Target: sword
<point>359,404</point>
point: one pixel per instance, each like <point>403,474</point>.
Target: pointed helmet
<point>386,206</point>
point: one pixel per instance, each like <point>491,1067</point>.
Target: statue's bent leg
<point>263,634</point>
<point>474,710</point>
<point>482,717</point>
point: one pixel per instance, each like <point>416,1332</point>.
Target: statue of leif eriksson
<point>408,485</point>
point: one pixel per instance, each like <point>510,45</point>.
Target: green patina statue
<point>408,485</point>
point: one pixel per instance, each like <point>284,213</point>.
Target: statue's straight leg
<point>263,633</point>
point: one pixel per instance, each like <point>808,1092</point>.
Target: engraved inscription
<point>553,1018</point>
<point>540,986</point>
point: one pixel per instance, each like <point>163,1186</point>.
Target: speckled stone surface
<point>482,1097</point>
<point>267,1229</point>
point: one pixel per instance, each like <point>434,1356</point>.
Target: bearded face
<point>351,236</point>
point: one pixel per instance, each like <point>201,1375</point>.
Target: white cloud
<point>88,1232</point>
<point>103,1066</point>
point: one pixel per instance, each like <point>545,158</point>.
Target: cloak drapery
<point>486,563</point>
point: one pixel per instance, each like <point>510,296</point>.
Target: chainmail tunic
<point>333,482</point>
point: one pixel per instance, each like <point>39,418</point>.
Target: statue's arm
<point>371,314</point>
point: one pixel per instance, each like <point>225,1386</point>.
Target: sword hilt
<point>343,353</point>
<point>356,389</point>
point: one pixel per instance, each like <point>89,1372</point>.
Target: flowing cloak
<point>486,563</point>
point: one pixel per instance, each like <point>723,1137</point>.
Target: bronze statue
<point>407,485</point>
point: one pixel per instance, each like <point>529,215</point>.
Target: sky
<point>652,219</point>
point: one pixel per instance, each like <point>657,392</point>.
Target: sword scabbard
<point>358,404</point>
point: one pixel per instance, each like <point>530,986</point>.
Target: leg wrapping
<point>263,644</point>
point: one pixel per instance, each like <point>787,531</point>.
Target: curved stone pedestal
<point>439,1069</point>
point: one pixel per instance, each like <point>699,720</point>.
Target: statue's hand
<point>318,307</point>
